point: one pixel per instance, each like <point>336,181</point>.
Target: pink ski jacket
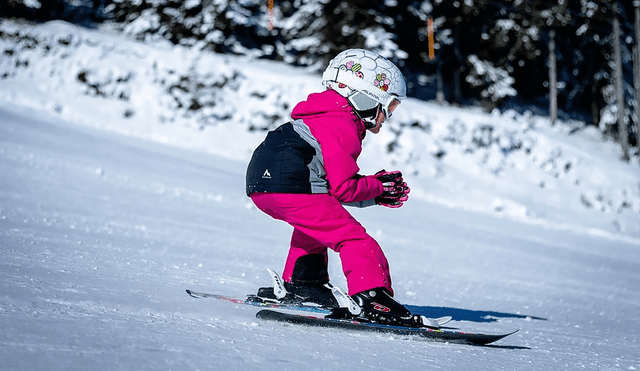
<point>316,153</point>
<point>340,134</point>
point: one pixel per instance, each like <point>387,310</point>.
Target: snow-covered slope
<point>100,232</point>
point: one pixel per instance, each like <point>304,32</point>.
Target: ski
<point>430,334</point>
<point>258,302</point>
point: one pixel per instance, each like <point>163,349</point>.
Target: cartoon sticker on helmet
<point>382,81</point>
<point>353,67</point>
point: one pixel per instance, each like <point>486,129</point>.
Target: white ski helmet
<point>370,82</point>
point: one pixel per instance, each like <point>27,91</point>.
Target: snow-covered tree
<point>493,83</point>
<point>510,35</point>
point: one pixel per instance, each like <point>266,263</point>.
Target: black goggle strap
<point>368,117</point>
<point>365,107</point>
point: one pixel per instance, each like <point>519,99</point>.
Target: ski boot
<point>309,295</point>
<point>309,285</point>
<point>378,306</point>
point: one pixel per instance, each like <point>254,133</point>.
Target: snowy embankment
<point>511,165</point>
<point>100,233</point>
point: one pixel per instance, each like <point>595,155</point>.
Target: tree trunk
<point>623,134</point>
<point>636,72</point>
<point>553,93</point>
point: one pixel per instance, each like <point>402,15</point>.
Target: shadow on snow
<point>466,314</point>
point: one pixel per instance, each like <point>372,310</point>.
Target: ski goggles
<point>365,104</point>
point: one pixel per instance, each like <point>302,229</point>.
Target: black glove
<point>395,190</point>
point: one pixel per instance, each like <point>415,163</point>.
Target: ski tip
<point>504,335</point>
<point>512,332</point>
<point>489,339</point>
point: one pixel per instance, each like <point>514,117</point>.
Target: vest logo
<point>266,175</point>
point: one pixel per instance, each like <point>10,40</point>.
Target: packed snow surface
<point>122,184</point>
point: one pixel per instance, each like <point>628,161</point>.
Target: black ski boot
<point>310,281</point>
<point>378,306</point>
<point>313,293</point>
<point>309,284</point>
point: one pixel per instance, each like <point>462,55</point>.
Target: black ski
<point>451,336</point>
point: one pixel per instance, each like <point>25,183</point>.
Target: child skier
<point>305,171</point>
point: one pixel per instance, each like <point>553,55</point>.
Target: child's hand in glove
<point>395,190</point>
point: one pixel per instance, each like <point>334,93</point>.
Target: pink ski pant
<point>319,222</point>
